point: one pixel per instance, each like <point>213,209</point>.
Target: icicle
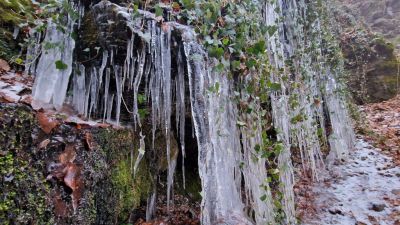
<point>32,52</point>
<point>257,190</point>
<point>141,152</point>
<point>94,87</point>
<point>280,109</point>
<point>128,61</point>
<point>106,95</point>
<point>281,122</point>
<point>151,205</point>
<point>119,84</point>
<point>51,82</point>
<point>110,103</point>
<point>136,84</point>
<point>180,110</point>
<point>101,73</point>
<point>16,32</point>
<point>79,89</point>
<point>342,138</point>
<point>217,137</point>
<point>167,98</point>
<point>87,94</point>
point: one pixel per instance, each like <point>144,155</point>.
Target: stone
<point>378,207</point>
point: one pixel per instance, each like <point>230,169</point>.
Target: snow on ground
<point>363,190</point>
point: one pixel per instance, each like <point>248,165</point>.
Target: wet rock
<point>396,192</point>
<point>378,207</point>
<point>335,211</point>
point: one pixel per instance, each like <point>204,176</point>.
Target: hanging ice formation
<point>298,108</point>
<point>235,188</point>
<point>54,67</point>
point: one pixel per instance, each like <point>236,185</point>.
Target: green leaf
<point>263,198</point>
<point>219,68</point>
<point>225,41</point>
<point>251,63</point>
<point>257,148</point>
<point>274,86</point>
<point>216,52</point>
<point>188,4</point>
<point>143,113</point>
<point>159,11</point>
<point>60,65</point>
<point>235,64</point>
<point>19,61</point>
<point>259,47</point>
<point>141,99</point>
<point>271,30</point>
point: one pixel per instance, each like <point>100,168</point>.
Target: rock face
<point>381,16</point>
<point>370,58</point>
<point>372,65</point>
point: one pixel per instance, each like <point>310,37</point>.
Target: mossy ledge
<point>110,193</point>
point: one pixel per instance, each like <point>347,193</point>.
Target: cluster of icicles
<point>223,146</point>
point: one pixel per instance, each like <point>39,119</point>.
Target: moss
<point>125,192</point>
<point>23,185</point>
<point>130,191</point>
<point>89,31</point>
<point>384,45</point>
<point>388,66</point>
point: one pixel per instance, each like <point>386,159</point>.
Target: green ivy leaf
<point>159,11</point>
<point>271,30</point>
<point>259,47</point>
<point>216,52</point>
<point>60,65</point>
<point>141,98</point>
<point>225,41</point>
<point>274,86</point>
<point>251,63</point>
<point>19,61</point>
<point>235,64</point>
<point>263,198</point>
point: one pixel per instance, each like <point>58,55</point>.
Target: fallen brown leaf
<point>44,144</point>
<point>46,123</point>
<point>69,154</point>
<point>4,65</point>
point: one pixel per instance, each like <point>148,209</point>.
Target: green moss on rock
<point>22,184</point>
<point>124,191</point>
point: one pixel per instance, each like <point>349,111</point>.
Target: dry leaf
<point>69,154</point>
<point>89,141</point>
<point>4,65</point>
<point>44,144</point>
<point>46,123</point>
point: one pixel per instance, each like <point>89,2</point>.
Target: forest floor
<point>364,190</point>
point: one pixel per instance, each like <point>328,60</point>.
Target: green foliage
<point>22,184</point>
<point>125,192</point>
<point>231,31</point>
<point>60,65</point>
